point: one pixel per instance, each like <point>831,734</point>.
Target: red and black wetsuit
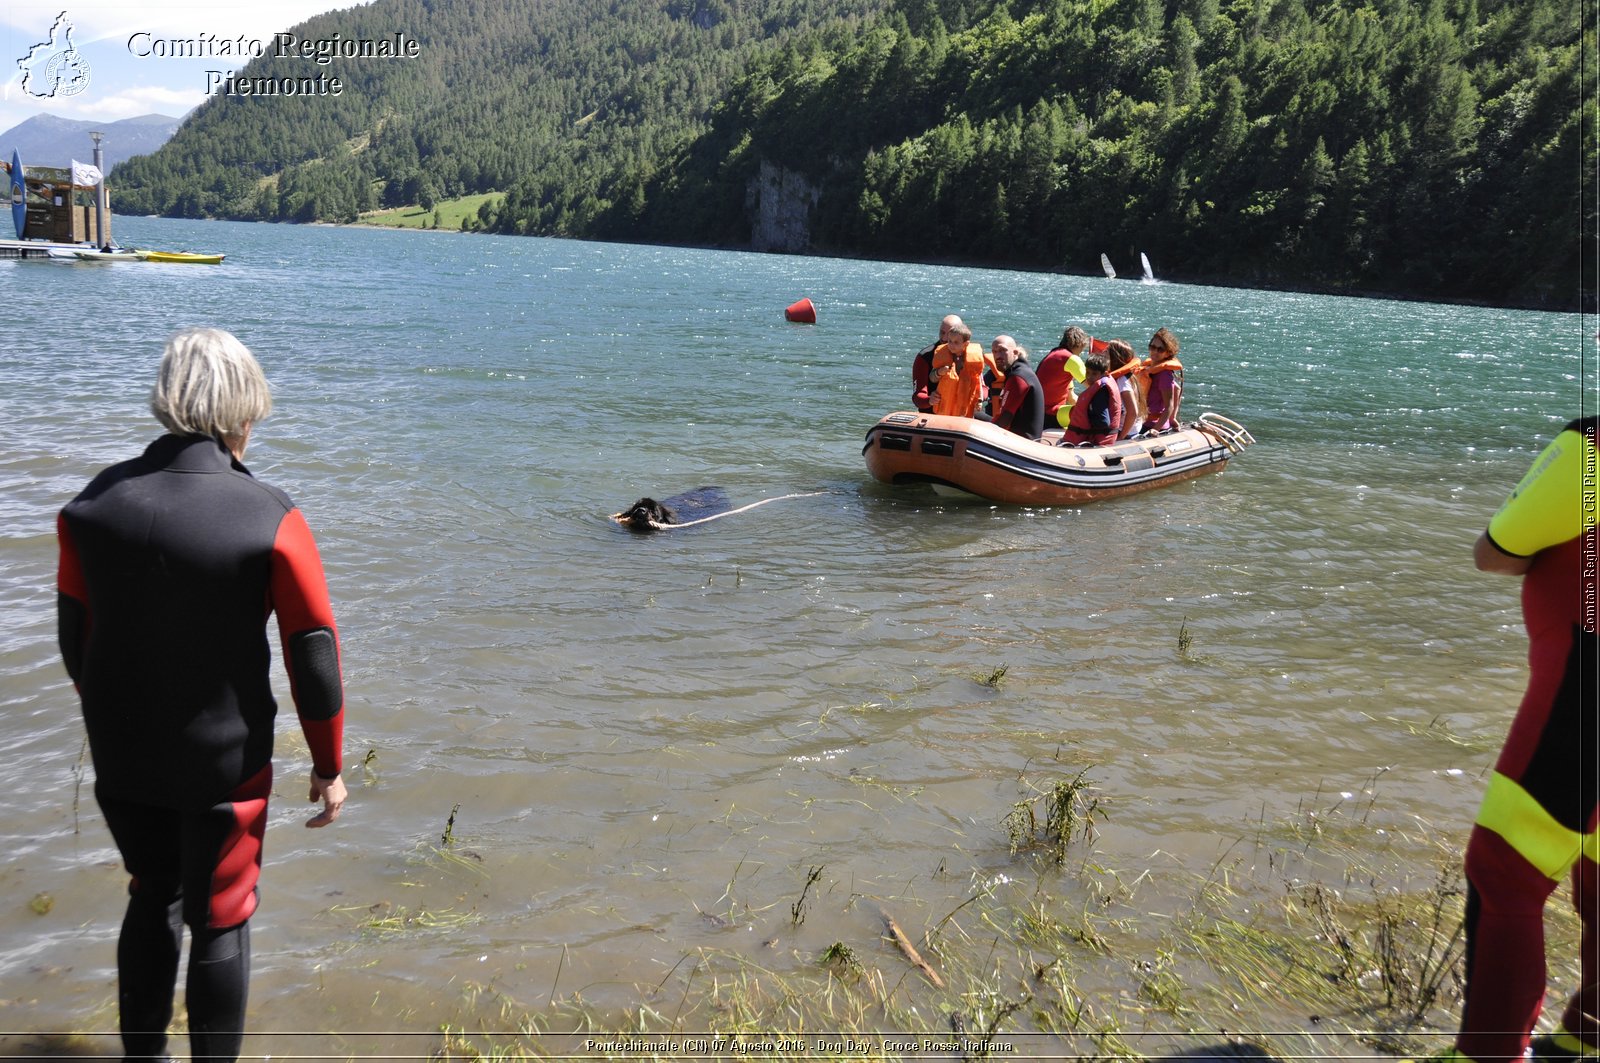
<point>170,566</point>
<point>1022,401</point>
<point>921,366</point>
<point>1538,821</point>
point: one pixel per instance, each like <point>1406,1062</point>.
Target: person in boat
<point>1021,398</point>
<point>958,368</point>
<point>1164,373</point>
<point>1097,414</point>
<point>922,367</point>
<point>1537,824</point>
<point>1057,371</point>
<point>1124,372</point>
<point>170,565</point>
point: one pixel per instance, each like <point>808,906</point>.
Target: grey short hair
<point>209,385</point>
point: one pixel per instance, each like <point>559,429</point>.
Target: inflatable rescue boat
<point>983,459</point>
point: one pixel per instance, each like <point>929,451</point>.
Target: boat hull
<point>988,461</point>
<point>105,256</point>
<point>19,195</point>
<point>181,256</point>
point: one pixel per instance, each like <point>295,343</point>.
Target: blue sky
<point>121,84</point>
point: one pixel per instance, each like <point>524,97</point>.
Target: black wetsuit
<point>170,565</point>
<point>1022,401</point>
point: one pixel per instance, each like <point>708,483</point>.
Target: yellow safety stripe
<point>1571,1042</point>
<point>1513,813</point>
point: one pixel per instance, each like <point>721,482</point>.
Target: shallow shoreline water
<point>633,733</point>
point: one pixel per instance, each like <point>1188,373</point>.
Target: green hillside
<point>552,94</point>
<point>1421,147</point>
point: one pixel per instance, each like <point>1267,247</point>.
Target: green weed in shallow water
<point>797,911</point>
<point>842,960</point>
<point>1068,810</point>
<point>1243,945</point>
<point>990,679</point>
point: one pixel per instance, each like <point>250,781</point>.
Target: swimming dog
<point>648,515</point>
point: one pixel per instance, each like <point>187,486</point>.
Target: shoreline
<point>1583,303</point>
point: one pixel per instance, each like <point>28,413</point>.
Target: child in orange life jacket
<point>1097,414</point>
<point>958,368</point>
<point>1165,375</point>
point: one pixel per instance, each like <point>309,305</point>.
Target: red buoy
<point>805,312</point>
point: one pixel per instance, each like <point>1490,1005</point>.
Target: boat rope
<point>658,526</point>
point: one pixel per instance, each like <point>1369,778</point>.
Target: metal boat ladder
<point>1232,434</point>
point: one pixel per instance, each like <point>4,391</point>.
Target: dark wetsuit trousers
<point>186,868</point>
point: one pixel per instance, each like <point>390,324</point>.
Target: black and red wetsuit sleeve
<point>310,641</point>
<point>1016,390</point>
<point>921,366</point>
<point>72,604</point>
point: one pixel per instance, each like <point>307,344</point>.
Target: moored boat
<point>181,256</point>
<point>120,254</point>
<point>983,459</point>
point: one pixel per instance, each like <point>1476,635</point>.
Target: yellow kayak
<point>180,256</point>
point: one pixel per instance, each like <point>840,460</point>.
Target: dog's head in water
<point>645,515</point>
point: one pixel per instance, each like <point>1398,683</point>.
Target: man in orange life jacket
<point>1097,415</point>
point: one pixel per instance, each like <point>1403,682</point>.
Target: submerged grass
<point>1303,940</point>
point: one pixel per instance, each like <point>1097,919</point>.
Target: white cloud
<point>134,102</point>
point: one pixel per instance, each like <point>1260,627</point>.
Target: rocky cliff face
<point>780,203</point>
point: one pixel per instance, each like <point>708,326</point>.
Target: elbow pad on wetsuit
<point>314,656</point>
<point>72,624</point>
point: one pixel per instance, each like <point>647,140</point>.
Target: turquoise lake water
<point>634,731</point>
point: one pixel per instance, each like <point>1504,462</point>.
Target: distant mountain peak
<point>50,140</point>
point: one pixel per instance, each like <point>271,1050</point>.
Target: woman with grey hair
<point>166,563</point>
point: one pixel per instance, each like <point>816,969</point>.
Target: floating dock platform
<point>38,248</point>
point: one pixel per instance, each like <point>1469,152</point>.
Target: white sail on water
<point>1144,262</point>
<point>1105,264</point>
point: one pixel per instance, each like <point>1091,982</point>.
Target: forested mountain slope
<point>1424,147</point>
<point>1437,148</point>
<point>554,95</point>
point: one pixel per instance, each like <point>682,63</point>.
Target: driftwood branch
<point>908,950</point>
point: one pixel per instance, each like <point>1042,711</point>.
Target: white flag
<point>85,175</point>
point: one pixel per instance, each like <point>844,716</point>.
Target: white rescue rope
<point>691,523</point>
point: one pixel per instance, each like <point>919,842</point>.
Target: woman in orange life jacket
<point>1124,373</point>
<point>958,368</point>
<point>1098,411</point>
<point>1165,375</point>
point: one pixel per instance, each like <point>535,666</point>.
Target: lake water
<point>646,743</point>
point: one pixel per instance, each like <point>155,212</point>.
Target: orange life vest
<point>960,382</point>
